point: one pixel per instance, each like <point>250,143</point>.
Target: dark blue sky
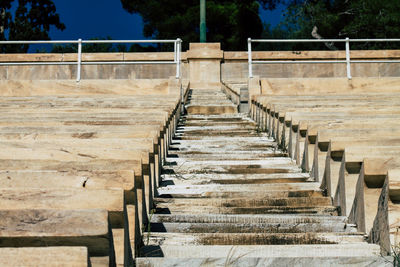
<point>102,18</point>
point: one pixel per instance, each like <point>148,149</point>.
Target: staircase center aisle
<point>230,197</point>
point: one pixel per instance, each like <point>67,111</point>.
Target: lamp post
<point>203,28</point>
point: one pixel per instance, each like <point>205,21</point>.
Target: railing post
<point>182,99</point>
<point>348,66</point>
<point>78,71</point>
<point>175,50</point>
<point>250,58</point>
<point>178,47</point>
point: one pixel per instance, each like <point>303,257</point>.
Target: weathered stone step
<point>222,154</point>
<point>216,128</point>
<point>209,100</point>
<point>162,239</point>
<point>213,127</point>
<point>225,227</point>
<point>227,190</point>
<point>227,140</point>
<point>272,165</point>
<point>248,219</point>
<point>206,92</point>
<point>44,256</point>
<point>271,176</point>
<point>243,202</point>
<point>171,209</point>
<point>42,228</point>
<point>231,118</point>
<point>111,200</point>
<point>238,194</point>
<point>232,169</point>
<point>189,123</point>
<point>207,178</point>
<point>196,94</point>
<point>223,147</point>
<point>221,140</point>
<point>227,135</point>
<point>213,133</point>
<point>237,261</point>
<point>271,251</point>
<point>273,161</point>
<point>211,109</point>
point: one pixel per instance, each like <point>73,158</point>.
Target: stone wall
<point>100,71</point>
<point>235,64</point>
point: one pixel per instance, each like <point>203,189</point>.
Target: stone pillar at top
<point>205,65</point>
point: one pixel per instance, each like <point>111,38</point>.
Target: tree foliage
<point>228,22</point>
<point>30,21</point>
<point>341,19</point>
<point>101,47</point>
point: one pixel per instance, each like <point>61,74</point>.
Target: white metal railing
<point>177,54</point>
<point>347,61</point>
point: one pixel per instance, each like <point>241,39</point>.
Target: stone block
<point>111,200</point>
<point>42,227</point>
<point>44,256</point>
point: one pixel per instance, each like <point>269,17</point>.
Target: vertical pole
<point>180,74</point>
<point>348,66</point>
<point>176,58</point>
<point>178,48</point>
<point>182,100</point>
<point>203,28</point>
<point>78,71</point>
<point>175,50</point>
<point>249,56</point>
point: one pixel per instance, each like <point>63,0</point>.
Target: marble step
<point>208,194</point>
<point>257,251</point>
<point>212,127</point>
<point>272,165</point>
<point>209,100</point>
<point>211,239</point>
<point>332,261</point>
<point>277,227</point>
<point>207,178</point>
<point>228,133</point>
<point>200,95</point>
<point>230,147</point>
<point>260,163</point>
<point>227,190</point>
<point>222,154</point>
<point>222,136</point>
<point>227,118</point>
<point>227,140</point>
<point>211,109</point>
<point>205,92</point>
<point>188,123</point>
<point>243,202</point>
<point>248,219</point>
<point>170,209</point>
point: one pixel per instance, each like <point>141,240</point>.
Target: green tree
<point>228,22</point>
<point>344,18</point>
<point>31,21</point>
<point>90,48</point>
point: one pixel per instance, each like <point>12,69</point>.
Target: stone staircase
<point>230,197</point>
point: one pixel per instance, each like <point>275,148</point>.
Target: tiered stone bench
<point>347,139</point>
<point>78,173</point>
